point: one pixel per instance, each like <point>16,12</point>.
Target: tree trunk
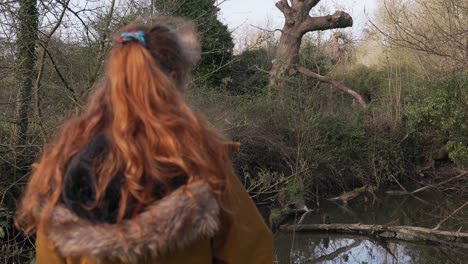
<point>297,23</point>
<point>287,54</point>
<point>25,62</point>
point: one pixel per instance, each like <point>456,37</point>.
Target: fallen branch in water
<point>348,196</point>
<point>455,239</point>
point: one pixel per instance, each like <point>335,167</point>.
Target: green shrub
<point>312,57</point>
<point>291,136</point>
<point>216,40</point>
<point>458,152</point>
<point>369,82</point>
<point>438,116</point>
<point>247,72</point>
<point>295,189</point>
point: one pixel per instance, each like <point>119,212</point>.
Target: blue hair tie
<point>133,35</point>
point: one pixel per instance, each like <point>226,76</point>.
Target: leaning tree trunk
<point>297,23</point>
<point>25,62</point>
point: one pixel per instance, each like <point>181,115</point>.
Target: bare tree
<point>297,23</point>
<point>51,55</point>
<point>437,28</point>
<point>26,60</point>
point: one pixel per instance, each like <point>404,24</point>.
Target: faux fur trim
<point>170,224</point>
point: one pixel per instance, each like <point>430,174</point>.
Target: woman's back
<point>167,236</point>
<point>138,177</point>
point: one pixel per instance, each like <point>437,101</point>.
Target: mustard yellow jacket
<point>183,227</point>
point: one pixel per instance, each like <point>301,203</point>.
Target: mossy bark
<point>25,64</point>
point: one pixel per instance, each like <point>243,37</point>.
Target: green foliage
<point>353,149</point>
<point>217,43</point>
<point>275,213</point>
<point>312,57</point>
<point>246,78</point>
<point>367,81</point>
<point>458,152</point>
<point>295,189</point>
<point>439,114</point>
<point>302,146</point>
<point>275,218</point>
<point>4,225</point>
<point>6,130</point>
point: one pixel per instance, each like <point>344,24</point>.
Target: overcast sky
<point>263,13</point>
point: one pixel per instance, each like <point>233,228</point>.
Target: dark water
<point>427,210</point>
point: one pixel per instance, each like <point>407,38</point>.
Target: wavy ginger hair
<point>153,135</point>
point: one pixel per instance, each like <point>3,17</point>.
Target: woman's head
<point>172,42</point>
<point>153,135</point>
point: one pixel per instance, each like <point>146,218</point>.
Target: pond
<point>425,210</point>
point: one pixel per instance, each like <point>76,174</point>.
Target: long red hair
<point>153,133</point>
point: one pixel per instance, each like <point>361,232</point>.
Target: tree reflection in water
<point>425,211</point>
<point>323,248</point>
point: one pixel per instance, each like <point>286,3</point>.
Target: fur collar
<point>175,221</point>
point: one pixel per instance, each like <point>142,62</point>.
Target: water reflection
<point>426,210</point>
<point>300,248</point>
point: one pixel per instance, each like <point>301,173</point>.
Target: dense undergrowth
<point>308,140</point>
<point>301,142</point>
<point>312,140</point>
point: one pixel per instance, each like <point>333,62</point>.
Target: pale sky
<point>239,14</point>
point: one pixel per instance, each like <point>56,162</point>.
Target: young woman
<point>138,177</point>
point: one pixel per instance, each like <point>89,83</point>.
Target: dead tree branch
<point>339,19</point>
<point>450,215</point>
<point>335,83</point>
<point>455,239</point>
<point>440,183</point>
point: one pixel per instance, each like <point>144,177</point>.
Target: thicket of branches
<point>300,142</point>
<point>52,55</point>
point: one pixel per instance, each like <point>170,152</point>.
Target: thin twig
<point>440,183</point>
<point>450,215</point>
